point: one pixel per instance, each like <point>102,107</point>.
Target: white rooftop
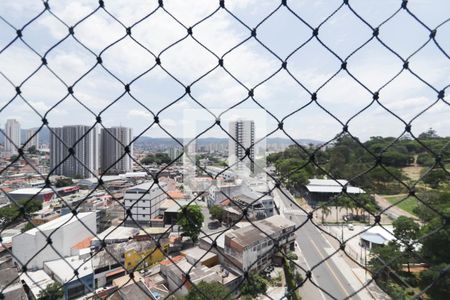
<point>330,182</point>
<point>31,191</point>
<point>36,281</point>
<point>63,268</point>
<point>146,186</point>
<point>61,221</point>
<point>117,233</point>
<point>133,174</point>
<point>197,255</point>
<point>378,235</point>
<point>331,186</point>
<point>105,178</point>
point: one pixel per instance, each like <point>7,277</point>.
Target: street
<point>315,248</point>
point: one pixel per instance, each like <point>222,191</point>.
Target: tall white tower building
<point>113,143</point>
<point>12,131</point>
<point>32,140</point>
<point>85,157</point>
<point>243,133</point>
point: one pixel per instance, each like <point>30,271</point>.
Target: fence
<point>109,25</point>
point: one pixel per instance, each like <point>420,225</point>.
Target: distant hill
<point>168,142</point>
<point>44,135</point>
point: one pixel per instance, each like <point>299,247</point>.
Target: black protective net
<point>313,252</point>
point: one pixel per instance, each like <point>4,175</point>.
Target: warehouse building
<point>65,231</point>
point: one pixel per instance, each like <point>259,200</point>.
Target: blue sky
<point>251,63</point>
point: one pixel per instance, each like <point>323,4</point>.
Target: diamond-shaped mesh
<point>134,52</point>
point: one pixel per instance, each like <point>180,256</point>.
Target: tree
<point>436,199</point>
<point>53,291</point>
<point>386,260</point>
<point>32,150</point>
<point>12,212</point>
<point>429,134</point>
<point>440,280</point>
<point>191,221</point>
<point>425,159</point>
<point>436,244</point>
<point>407,231</point>
<point>435,177</point>
<point>209,290</point>
<point>217,212</point>
<point>27,227</point>
<point>254,285</point>
<point>396,159</point>
<point>325,212</point>
<point>62,182</point>
<point>157,158</point>
<point>13,157</point>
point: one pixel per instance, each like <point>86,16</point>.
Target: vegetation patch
<point>408,205</point>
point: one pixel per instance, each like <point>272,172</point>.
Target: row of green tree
<point>17,211</point>
<point>428,244</point>
<point>156,158</point>
<point>349,158</point>
<point>250,288</point>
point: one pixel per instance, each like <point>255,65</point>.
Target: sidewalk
<point>356,276</point>
<point>372,290</point>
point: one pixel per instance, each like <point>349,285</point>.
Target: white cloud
<point>187,61</point>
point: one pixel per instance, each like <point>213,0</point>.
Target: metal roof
<point>331,186</point>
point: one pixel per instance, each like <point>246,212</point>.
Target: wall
<point>26,245</point>
<point>133,257</point>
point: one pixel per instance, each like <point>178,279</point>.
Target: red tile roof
<point>86,243</point>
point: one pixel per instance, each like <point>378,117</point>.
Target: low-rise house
<point>35,281</point>
<point>197,256</point>
<point>259,204</point>
<point>108,265</point>
<point>127,289</point>
<point>10,285</point>
<point>151,233</point>
<point>252,247</point>
<point>175,272</point>
<point>144,254</point>
<point>75,284</point>
<point>171,213</point>
<point>115,234</point>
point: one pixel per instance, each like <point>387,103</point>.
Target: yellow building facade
<point>144,251</point>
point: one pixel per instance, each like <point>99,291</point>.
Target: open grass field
<point>407,205</point>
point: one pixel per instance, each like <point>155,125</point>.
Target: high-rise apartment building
<point>84,160</point>
<point>12,131</point>
<point>113,159</point>
<point>33,140</point>
<point>243,133</point>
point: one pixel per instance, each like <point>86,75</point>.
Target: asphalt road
<point>312,245</point>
